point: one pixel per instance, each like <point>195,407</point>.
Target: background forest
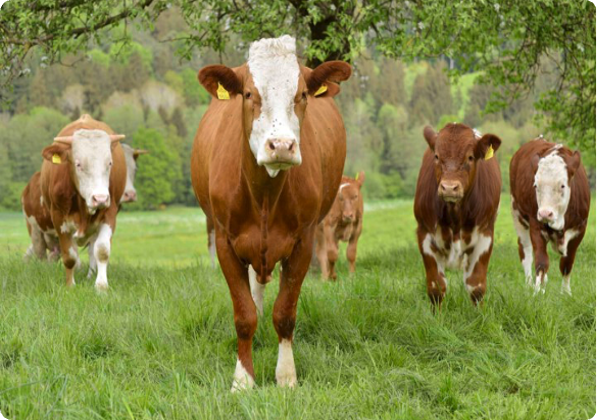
<point>144,90</point>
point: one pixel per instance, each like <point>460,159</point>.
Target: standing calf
<point>343,222</point>
<point>550,203</point>
<point>456,204</point>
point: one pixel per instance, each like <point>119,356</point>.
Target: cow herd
<point>266,168</point>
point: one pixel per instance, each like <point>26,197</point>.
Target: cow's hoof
<point>242,379</point>
<point>286,380</point>
<point>101,287</point>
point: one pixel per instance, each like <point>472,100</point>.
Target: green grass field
<point>161,344</point>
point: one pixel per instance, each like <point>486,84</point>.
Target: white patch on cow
<point>439,261</point>
<point>131,170</point>
<point>566,285</point>
<point>346,184</point>
<point>540,283</point>
<point>92,155</point>
<point>455,258</point>
<point>275,70</point>
<point>41,200</point>
<point>480,244</point>
<point>527,246</point>
<point>101,251</point>
<point>477,133</point>
<point>242,380</point>
<point>568,236</point>
<point>212,247</point>
<point>285,370</point>
<point>257,290</point>
<point>92,260</point>
<point>552,189</point>
<point>32,222</point>
<point>68,226</point>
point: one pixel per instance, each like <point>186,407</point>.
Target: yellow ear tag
<point>222,92</point>
<point>56,159</point>
<point>489,153</point>
<point>356,178</point>
<point>322,89</point>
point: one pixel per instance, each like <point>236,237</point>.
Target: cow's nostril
<point>291,147</point>
<point>272,146</point>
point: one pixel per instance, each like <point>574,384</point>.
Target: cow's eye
<point>304,96</point>
<point>78,165</point>
<point>248,95</point>
<point>436,157</point>
<point>471,158</point>
<point>562,186</point>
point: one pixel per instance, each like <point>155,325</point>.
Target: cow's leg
<point>92,260</point>
<point>434,270</point>
<point>69,256</point>
<point>257,290</point>
<point>245,312</point>
<point>475,271</point>
<point>351,251</point>
<point>322,252</point>
<point>211,241</point>
<point>294,270</point>
<point>567,262</point>
<point>525,249</point>
<point>101,252</point>
<point>541,257</point>
<point>53,246</point>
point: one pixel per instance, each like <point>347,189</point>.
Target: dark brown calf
<point>344,222</point>
<point>550,203</point>
<point>456,204</point>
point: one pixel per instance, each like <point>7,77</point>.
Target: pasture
<point>161,344</point>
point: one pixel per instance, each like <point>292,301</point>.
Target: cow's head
<point>457,151</point>
<point>553,173</point>
<point>130,157</point>
<point>348,197</point>
<point>89,155</point>
<point>275,92</point>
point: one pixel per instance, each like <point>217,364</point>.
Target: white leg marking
<point>527,246</point>
<point>242,379</point>
<point>540,283</point>
<point>481,244</point>
<point>568,236</point>
<point>566,285</point>
<point>438,261</point>
<point>92,260</point>
<point>257,290</point>
<point>101,251</point>
<point>212,247</point>
<point>285,370</point>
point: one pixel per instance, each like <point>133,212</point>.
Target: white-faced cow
<point>550,203</point>
<point>82,173</point>
<point>456,204</point>
<point>44,239</point>
<point>344,222</point>
<point>266,165</point>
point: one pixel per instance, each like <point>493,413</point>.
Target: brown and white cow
<point>44,239</point>
<point>550,203</point>
<point>82,173</point>
<point>344,222</point>
<point>456,204</point>
<point>266,164</point>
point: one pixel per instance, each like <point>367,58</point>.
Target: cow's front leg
<point>92,260</point>
<point>351,251</point>
<point>257,290</point>
<point>567,262</point>
<point>69,256</point>
<point>101,252</point>
<point>293,273</point>
<point>245,312</point>
<point>475,271</point>
<point>321,251</point>
<point>332,251</point>
<point>525,248</point>
<point>434,270</point>
<point>541,257</point>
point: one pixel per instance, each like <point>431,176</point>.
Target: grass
<point>161,344</point>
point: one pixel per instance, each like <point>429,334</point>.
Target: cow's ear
<point>322,81</point>
<point>220,81</point>
<point>139,152</point>
<point>482,150</point>
<point>57,153</point>
<point>360,178</point>
<point>572,163</point>
<point>430,136</point>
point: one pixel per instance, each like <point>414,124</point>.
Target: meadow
<point>161,343</point>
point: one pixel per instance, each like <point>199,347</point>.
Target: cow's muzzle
<point>450,191</point>
<point>282,153</point>
<point>100,201</point>
<point>545,215</point>
<point>129,196</point>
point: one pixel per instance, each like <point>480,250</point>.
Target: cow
<point>266,163</point>
<point>456,205</point>
<point>82,176</point>
<point>344,223</point>
<point>44,239</point>
<point>550,203</point>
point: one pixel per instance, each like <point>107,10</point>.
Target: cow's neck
<point>265,190</point>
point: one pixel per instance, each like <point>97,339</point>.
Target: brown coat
<point>456,204</point>
<point>533,235</point>
<point>344,222</point>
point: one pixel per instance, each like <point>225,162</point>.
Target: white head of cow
<point>275,91</point>
<point>553,174</point>
<point>130,157</point>
<point>89,153</point>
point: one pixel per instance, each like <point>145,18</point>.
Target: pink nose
<point>130,196</point>
<point>281,149</point>
<point>545,215</point>
<point>100,200</point>
<point>348,216</point>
